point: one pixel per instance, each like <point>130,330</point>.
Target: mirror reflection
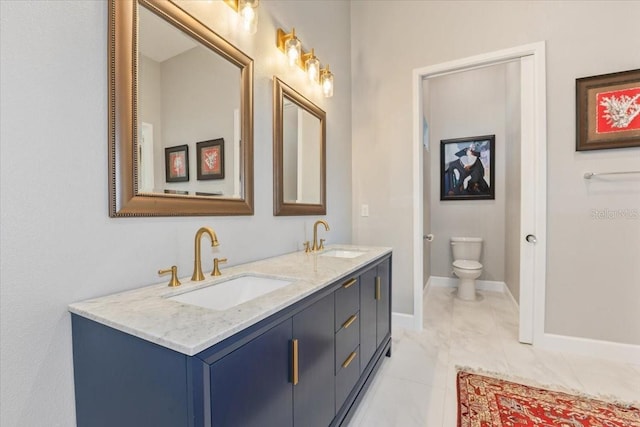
<point>299,154</point>
<point>180,115</point>
<point>188,96</point>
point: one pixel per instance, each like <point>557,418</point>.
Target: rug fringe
<point>553,387</point>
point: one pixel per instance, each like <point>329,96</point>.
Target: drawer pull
<point>349,359</point>
<point>350,283</point>
<point>294,362</point>
<point>377,287</point>
<point>349,321</point>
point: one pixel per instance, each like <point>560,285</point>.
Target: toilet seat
<point>467,264</point>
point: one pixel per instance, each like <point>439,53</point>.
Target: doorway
<point>532,175</point>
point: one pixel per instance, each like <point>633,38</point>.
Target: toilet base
<point>467,289</point>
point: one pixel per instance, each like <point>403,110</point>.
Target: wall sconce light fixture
<point>291,46</point>
<point>248,11</point>
<point>326,81</point>
<point>311,66</point>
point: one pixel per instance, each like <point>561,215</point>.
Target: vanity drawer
<point>347,301</point>
<point>347,339</point>
<point>347,376</point>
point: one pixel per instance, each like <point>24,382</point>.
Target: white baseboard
<point>425,288</point>
<point>619,352</point>
<point>452,282</point>
<point>510,295</point>
<point>404,321</point>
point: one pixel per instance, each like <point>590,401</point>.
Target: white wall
<point>58,244</point>
<point>590,258</point>
<point>467,104</point>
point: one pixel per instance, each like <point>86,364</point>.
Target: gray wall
<point>592,270</point>
<point>201,93</point>
<point>58,244</point>
<point>466,104</point>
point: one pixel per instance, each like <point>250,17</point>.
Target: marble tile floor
<point>416,386</point>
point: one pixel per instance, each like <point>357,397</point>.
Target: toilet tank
<point>468,248</point>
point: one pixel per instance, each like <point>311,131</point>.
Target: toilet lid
<point>466,264</point>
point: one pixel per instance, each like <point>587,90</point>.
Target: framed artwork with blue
<point>467,169</point>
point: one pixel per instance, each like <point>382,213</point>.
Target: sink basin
<point>342,253</point>
<point>232,292</point>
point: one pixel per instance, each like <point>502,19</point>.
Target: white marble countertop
<point>148,314</point>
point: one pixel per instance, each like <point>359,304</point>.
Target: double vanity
<point>293,340</point>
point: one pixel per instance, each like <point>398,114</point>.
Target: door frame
<point>534,197</point>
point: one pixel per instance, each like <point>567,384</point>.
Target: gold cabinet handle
<point>349,359</point>
<point>349,321</point>
<point>377,287</point>
<point>349,283</point>
<point>294,362</point>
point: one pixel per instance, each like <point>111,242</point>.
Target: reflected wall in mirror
<point>299,148</point>
<point>174,82</point>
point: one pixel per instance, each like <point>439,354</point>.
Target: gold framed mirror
<point>155,147</point>
<point>299,153</point>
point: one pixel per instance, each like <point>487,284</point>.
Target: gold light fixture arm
<point>282,38</point>
<point>233,4</point>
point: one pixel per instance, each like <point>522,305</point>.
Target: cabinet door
<point>368,317</point>
<point>314,394</point>
<point>383,302</point>
<point>251,386</point>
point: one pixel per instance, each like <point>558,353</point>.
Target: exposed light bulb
<point>326,80</point>
<point>312,66</point>
<point>292,47</point>
<point>248,10</point>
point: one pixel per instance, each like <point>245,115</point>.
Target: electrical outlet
<point>364,211</point>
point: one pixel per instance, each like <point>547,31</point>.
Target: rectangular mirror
<point>181,115</point>
<point>299,165</point>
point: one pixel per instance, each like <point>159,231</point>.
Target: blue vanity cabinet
<point>347,324</point>
<point>256,377</point>
<point>375,310</point>
<point>314,394</point>
<point>251,386</point>
<point>121,380</point>
<point>265,382</point>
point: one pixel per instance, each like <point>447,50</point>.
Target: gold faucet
<point>216,266</point>
<point>197,264</point>
<point>174,275</point>
<point>318,246</point>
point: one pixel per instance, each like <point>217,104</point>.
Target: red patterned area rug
<point>487,401</point>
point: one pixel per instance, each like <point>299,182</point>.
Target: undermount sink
<point>342,253</point>
<point>232,292</point>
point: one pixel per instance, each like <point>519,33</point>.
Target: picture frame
<point>180,192</point>
<point>608,111</point>
<point>177,163</point>
<point>467,168</point>
<point>210,155</point>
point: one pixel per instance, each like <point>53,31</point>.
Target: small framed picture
<point>177,163</point>
<point>210,159</point>
<point>608,111</point>
<point>467,168</point>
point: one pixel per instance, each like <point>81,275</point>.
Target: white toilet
<point>466,264</point>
